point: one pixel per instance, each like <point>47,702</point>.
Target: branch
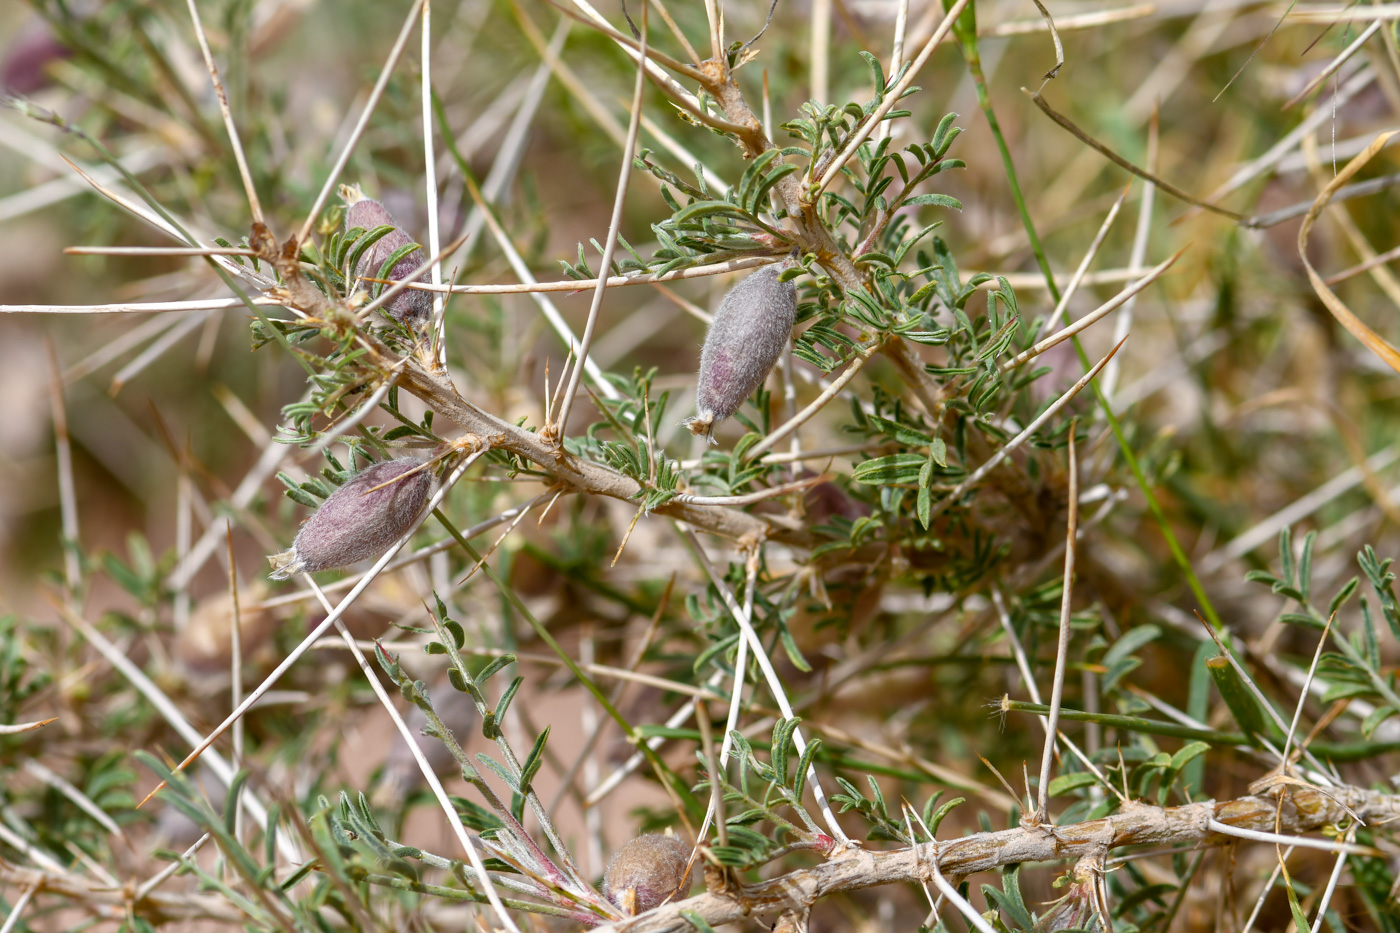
<point>585,476</point>
<point>1304,809</point>
<point>573,472</point>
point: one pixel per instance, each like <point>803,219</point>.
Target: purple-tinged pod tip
<point>411,306</point>
<point>750,331</point>
<point>362,519</point>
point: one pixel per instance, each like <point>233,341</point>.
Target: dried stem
<point>614,228</point>
<point>1057,691</point>
<point>1301,810</point>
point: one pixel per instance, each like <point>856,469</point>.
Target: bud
<point>410,306</point>
<point>1077,910</point>
<point>749,332</point>
<point>646,873</point>
<point>355,524</point>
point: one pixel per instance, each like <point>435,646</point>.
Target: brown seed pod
<point>410,306</point>
<point>647,872</point>
<point>749,332</point>
<point>356,523</point>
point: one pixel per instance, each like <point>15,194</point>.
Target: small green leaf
<point>1062,784</point>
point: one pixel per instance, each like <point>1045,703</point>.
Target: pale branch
<point>582,475</point>
<point>101,898</point>
<point>1300,809</point>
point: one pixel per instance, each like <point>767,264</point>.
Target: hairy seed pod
<point>410,306</point>
<point>359,521</point>
<point>749,332</point>
<point>646,872</point>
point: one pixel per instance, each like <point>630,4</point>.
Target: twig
<point>750,498</point>
<point>901,26</point>
<point>891,98</point>
<point>454,819</point>
<point>614,228</point>
<point>149,307</point>
<point>1010,446</point>
<point>379,85</point>
<point>1268,886</point>
<point>816,405</point>
<point>431,186</point>
<point>770,676</point>
<point>615,281</point>
<point>1089,254</point>
<point>1331,880</point>
<point>1082,323</point>
<point>1123,163</point>
<point>1140,824</point>
<point>249,189</point>
<point>1057,691</point>
<point>22,727</point>
<point>736,699</point>
<point>1305,842</point>
<point>157,251</point>
<point>951,893</point>
<point>1307,685</point>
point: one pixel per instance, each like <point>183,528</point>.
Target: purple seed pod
<point>356,523</point>
<point>749,332</point>
<point>410,306</point>
<point>646,872</point>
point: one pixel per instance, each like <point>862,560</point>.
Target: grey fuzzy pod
<point>646,872</point>
<point>749,332</point>
<point>355,524</point>
<point>410,306</point>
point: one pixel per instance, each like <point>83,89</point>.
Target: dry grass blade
<point>20,727</point>
<point>1010,446</point>
<point>454,819</point>
<point>1334,64</point>
<point>614,230</point>
<point>1092,317</point>
<point>1057,691</point>
<point>891,98</point>
<point>249,189</point>
<point>1054,37</point>
<point>1123,163</point>
<point>379,85</point>
<point>1373,341</point>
